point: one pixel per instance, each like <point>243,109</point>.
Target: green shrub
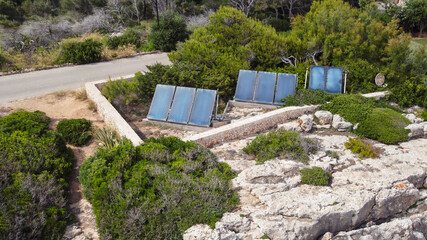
<point>34,166</point>
<point>353,108</point>
<point>75,131</point>
<point>107,137</point>
<point>359,147</point>
<point>88,51</point>
<point>315,176</point>
<point>308,97</point>
<point>281,144</point>
<point>384,125</point>
<point>156,190</point>
<point>120,88</point>
<point>36,123</point>
<point>424,115</point>
<point>131,36</point>
<point>170,30</point>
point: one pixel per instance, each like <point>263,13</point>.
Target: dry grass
<point>81,94</point>
<point>121,51</point>
<point>61,93</point>
<point>91,105</point>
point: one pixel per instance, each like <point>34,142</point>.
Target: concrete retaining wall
<point>110,114</point>
<point>249,126</point>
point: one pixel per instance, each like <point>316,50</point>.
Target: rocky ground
<point>381,198</point>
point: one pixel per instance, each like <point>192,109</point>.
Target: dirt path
<point>59,106</point>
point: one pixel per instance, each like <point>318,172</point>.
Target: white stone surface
<point>414,119</point>
<point>306,122</point>
<point>417,130</point>
<point>325,117</point>
<point>340,124</point>
<point>290,126</point>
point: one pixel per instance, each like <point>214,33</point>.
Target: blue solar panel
<point>265,87</point>
<point>203,106</point>
<point>181,106</point>
<point>286,84</point>
<point>161,102</point>
<point>317,78</point>
<point>334,80</point>
<point>245,85</point>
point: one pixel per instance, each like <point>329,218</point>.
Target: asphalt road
<point>19,86</point>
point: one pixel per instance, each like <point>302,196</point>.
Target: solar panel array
<point>182,105</point>
<point>264,87</point>
<point>327,79</point>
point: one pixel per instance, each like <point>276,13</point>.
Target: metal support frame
<point>345,80</point>
<point>306,74</point>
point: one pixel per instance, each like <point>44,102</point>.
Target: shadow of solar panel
<point>286,84</point>
<point>202,108</point>
<point>317,78</point>
<point>161,102</point>
<point>264,91</point>
<point>334,80</point>
<point>245,85</point>
<point>181,105</point>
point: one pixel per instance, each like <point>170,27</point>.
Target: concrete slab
<point>241,104</point>
<point>178,126</point>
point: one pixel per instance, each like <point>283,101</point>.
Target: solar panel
<point>264,91</point>
<point>334,80</point>
<point>245,85</point>
<point>286,84</point>
<point>317,78</point>
<point>161,102</point>
<point>181,105</point>
<point>202,108</point>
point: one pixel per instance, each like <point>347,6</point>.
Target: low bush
<point>156,190</point>
<point>353,108</point>
<point>33,173</point>
<point>170,30</point>
<point>384,125</point>
<point>76,132</point>
<point>73,51</point>
<point>35,123</point>
<point>357,146</point>
<point>424,115</point>
<point>281,144</point>
<point>131,36</point>
<point>107,137</point>
<point>123,88</point>
<point>315,176</point>
<point>308,97</point>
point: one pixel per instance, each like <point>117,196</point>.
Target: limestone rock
<point>395,200</point>
<point>325,117</point>
<point>290,126</point>
<point>72,232</point>
<point>414,119</point>
<point>234,222</point>
<point>327,236</point>
<point>414,227</point>
<point>306,122</point>
<point>198,232</point>
<point>223,234</point>
<point>340,124</point>
<point>417,130</point>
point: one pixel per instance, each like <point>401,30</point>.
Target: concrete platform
<point>241,104</point>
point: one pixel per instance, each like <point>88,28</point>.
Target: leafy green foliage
<point>353,108</point>
<point>36,123</point>
<point>424,115</point>
<point>384,125</point>
<point>88,51</point>
<point>414,15</point>
<point>281,25</point>
<point>131,36</point>
<point>308,97</point>
<point>359,147</point>
<point>107,137</point>
<point>156,190</point>
<point>224,47</point>
<point>75,131</point>
<point>34,165</point>
<point>315,176</point>
<point>281,144</point>
<point>170,30</point>
<point>120,88</point>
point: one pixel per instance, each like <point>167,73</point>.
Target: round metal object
<point>379,79</point>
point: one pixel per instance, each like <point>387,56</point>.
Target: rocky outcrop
<point>274,203</point>
<point>324,117</point>
<point>306,122</point>
<point>340,124</point>
<point>414,119</point>
<point>290,126</point>
<point>417,130</point>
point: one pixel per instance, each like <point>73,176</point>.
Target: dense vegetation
<point>359,147</point>
<point>315,176</point>
<point>76,132</point>
<point>282,143</point>
<point>34,164</point>
<point>156,190</point>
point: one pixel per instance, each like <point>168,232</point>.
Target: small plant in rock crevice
<point>364,150</point>
<point>282,144</point>
<point>315,176</point>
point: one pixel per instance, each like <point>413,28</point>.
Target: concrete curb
<point>110,114</point>
<point>249,126</point>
